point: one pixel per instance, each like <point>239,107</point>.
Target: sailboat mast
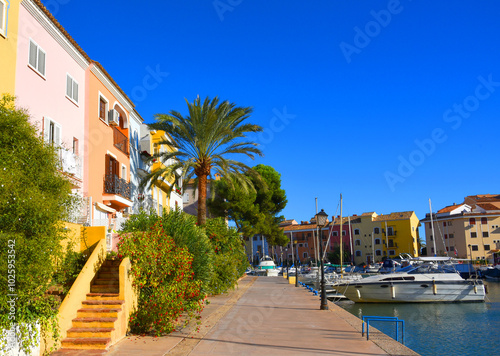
<point>432,229</point>
<point>341,233</point>
<point>315,236</point>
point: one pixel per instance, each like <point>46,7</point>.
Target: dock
<point>265,316</point>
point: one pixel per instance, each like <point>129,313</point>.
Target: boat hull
<point>414,292</point>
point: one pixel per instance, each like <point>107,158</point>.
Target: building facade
<point>50,84</point>
<point>470,230</point>
<point>9,21</point>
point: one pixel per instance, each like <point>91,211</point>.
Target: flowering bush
<point>230,261</point>
<point>165,279</point>
<point>182,229</point>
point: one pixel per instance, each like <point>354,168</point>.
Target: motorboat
<point>267,267</point>
<point>427,282</point>
<point>492,273</point>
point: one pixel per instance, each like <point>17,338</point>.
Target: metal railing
<point>120,141</point>
<point>116,185</point>
<point>367,319</point>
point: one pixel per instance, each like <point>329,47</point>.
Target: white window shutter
<point>57,135</point>
<point>75,91</point>
<point>46,129</point>
<point>33,54</point>
<point>41,62</point>
<point>68,86</point>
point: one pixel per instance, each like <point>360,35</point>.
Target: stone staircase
<point>94,326</point>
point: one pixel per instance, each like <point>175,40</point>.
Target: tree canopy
<point>204,143</point>
<point>253,211</point>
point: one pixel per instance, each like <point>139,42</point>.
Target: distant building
<point>468,230</point>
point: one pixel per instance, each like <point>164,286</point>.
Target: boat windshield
<point>431,268</point>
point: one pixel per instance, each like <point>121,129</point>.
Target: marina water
<point>441,328</point>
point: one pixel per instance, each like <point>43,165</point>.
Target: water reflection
<point>442,328</point>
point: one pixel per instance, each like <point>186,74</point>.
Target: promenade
<point>265,316</point>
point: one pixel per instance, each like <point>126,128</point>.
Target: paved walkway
<point>266,316</point>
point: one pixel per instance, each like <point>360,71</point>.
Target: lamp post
<point>296,266</point>
<point>287,274</point>
<point>321,222</point>
<point>471,266</point>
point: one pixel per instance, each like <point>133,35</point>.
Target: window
<point>356,231</point>
<point>3,17</point>
<point>473,234</point>
<point>377,241</point>
<point>475,248</point>
<point>449,223</point>
<point>358,253</point>
<point>378,253</point>
<point>487,247</point>
<point>335,233</point>
<point>255,238</point>
<point>452,236</point>
<point>37,58</point>
<point>305,255</point>
<point>444,223</point>
<point>75,146</point>
<point>486,234</point>
<point>71,88</point>
<point>447,249</point>
<point>185,198</point>
<point>357,242</point>
<point>392,252</point>
<point>103,108</point>
<point>445,236</point>
<point>300,245</point>
<point>432,238</point>
<point>376,230</point>
<point>472,221</point>
<point>484,221</point>
<point>452,248</point>
<point>343,232</point>
<point>51,132</point>
<point>390,232</point>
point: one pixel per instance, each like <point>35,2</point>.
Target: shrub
<point>230,260</point>
<point>69,269</point>
<point>182,229</point>
<point>34,198</point>
<point>164,277</point>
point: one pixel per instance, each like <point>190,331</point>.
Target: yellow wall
<point>8,50</point>
<point>156,138</point>
<point>91,235</point>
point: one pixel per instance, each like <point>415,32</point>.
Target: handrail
<point>367,319</point>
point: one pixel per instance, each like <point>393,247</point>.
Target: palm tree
<point>204,142</point>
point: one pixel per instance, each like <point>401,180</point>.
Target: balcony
<point>116,185</point>
<point>120,140</point>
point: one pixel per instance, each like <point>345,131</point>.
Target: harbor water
<point>460,329</point>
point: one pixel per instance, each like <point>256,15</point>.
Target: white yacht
<point>267,267</point>
<point>427,282</point>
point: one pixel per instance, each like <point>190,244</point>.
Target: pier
<point>265,316</point>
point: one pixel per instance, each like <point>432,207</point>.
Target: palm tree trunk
<point>202,199</point>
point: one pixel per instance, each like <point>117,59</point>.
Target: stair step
<point>90,332</point>
<point>102,296</point>
<point>94,322</point>
<point>106,281</point>
<point>108,274</point>
<point>86,343</point>
<point>98,313</point>
<point>103,303</point>
<point>104,289</point>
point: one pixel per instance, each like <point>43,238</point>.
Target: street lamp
<point>296,266</point>
<point>287,274</point>
<point>471,267</point>
<point>321,218</point>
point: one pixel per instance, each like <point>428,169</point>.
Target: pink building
<point>50,84</point>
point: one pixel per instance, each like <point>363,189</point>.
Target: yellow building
<point>378,236</point>
<point>9,22</point>
<point>166,193</point>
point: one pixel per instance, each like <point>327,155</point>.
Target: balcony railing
<point>115,185</point>
<point>120,140</point>
<point>70,163</point>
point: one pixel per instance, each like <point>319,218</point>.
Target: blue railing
<point>367,319</point>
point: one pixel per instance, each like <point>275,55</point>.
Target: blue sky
<point>388,102</point>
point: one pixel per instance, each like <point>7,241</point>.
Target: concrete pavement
<point>266,316</point>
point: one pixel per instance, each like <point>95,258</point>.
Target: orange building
<point>107,146</point>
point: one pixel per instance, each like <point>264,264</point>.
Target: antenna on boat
<point>432,229</point>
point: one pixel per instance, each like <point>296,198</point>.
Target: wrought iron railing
<point>120,141</point>
<point>116,185</point>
